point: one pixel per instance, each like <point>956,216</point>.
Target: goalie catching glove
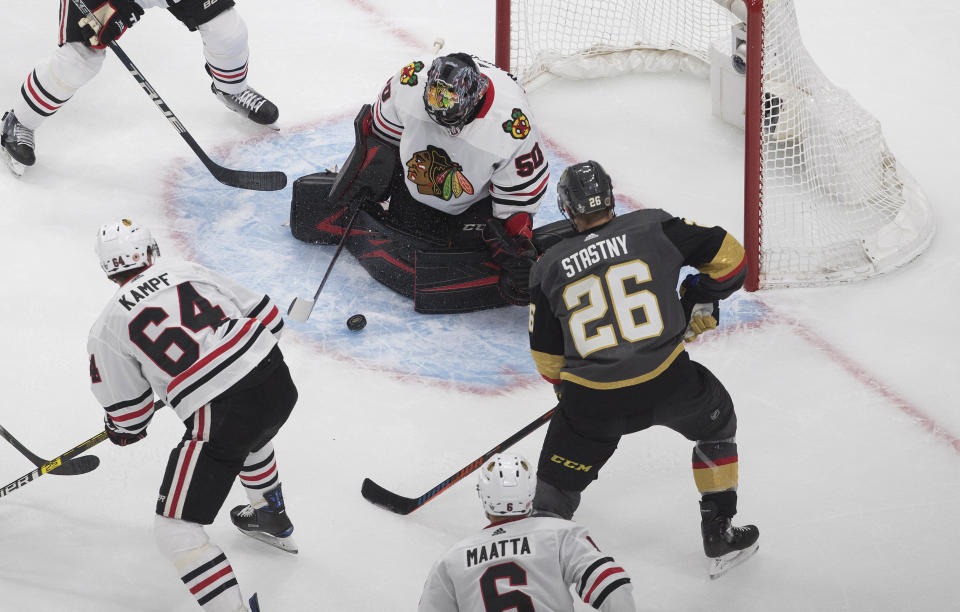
<point>107,21</point>
<point>700,309</point>
<point>511,249</point>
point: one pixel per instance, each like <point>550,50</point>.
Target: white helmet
<point>125,246</point>
<point>507,485</point>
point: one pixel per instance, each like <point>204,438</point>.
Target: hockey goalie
<point>436,199</point>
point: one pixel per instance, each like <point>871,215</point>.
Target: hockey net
<point>825,200</point>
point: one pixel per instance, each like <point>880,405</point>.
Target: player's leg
<point>253,412</point>
<point>574,449</point>
<point>43,92</point>
<point>226,51</point>
<point>700,408</point>
<point>195,485</point>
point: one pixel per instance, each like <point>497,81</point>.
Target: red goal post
<point>825,201</point>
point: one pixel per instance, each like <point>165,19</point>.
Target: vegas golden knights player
<point>607,327</point>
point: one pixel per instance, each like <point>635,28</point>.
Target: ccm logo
<point>573,465</point>
<point>207,3</point>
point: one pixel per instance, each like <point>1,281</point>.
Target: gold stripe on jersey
<point>548,365</point>
<point>728,260</point>
<point>618,384</point>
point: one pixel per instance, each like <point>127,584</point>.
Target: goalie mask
<point>584,188</point>
<point>453,91</point>
<point>125,246</point>
<point>506,486</point>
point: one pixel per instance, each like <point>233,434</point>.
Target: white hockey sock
<point>259,473</point>
<point>54,81</point>
<point>226,51</point>
<point>202,566</point>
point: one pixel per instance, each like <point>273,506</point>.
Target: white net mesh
<point>835,204</point>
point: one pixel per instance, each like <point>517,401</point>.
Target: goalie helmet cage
<point>825,201</point>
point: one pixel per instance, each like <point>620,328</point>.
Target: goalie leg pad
<point>313,217</point>
<point>452,281</point>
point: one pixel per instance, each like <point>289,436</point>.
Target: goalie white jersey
<point>180,332</point>
<point>527,563</point>
<point>497,154</point>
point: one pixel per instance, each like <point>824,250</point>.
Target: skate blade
<point>722,565</point>
<point>286,544</point>
<point>16,167</point>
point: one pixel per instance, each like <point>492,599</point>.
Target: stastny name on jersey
<point>129,299</point>
<point>512,547</point>
<point>590,255</point>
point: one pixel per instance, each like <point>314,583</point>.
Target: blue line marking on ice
<point>243,234</point>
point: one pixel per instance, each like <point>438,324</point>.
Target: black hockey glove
<point>123,438</point>
<point>515,255</point>
<point>108,20</point>
<point>700,309</point>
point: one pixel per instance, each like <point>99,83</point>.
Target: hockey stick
<point>80,465</point>
<point>54,464</point>
<point>388,500</point>
<point>300,308</point>
<point>243,179</point>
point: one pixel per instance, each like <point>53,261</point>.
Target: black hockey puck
<point>356,322</point>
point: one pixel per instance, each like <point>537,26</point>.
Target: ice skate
<point>266,521</point>
<point>726,546</point>
<point>17,144</point>
<point>250,104</point>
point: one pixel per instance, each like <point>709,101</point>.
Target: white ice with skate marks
<point>248,235</point>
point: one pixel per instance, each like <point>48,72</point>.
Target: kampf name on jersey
<point>594,254</point>
<point>492,551</point>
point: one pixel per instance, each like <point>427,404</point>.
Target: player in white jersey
<point>207,347</point>
<point>521,562</point>
<point>455,151</point>
<point>82,48</point>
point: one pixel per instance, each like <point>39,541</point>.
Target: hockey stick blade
<point>388,500</point>
<point>398,504</point>
<point>65,468</point>
<point>55,463</point>
<point>272,180</point>
<point>301,309</point>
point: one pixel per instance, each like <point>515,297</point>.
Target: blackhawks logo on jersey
<point>434,173</point>
<point>408,75</point>
<point>518,126</point>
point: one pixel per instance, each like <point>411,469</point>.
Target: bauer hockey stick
<point>301,308</point>
<point>54,464</point>
<point>243,179</point>
<point>388,500</point>
<point>70,467</point>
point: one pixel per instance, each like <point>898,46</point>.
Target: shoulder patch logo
<point>518,126</point>
<point>408,74</point>
<point>434,173</point>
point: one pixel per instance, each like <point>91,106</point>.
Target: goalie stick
<point>243,179</point>
<point>80,465</point>
<point>388,500</point>
<point>301,308</point>
<point>55,463</point>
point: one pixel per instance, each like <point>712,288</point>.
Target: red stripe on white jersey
<point>244,331</point>
<point>610,571</point>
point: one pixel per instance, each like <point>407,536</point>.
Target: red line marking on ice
<point>861,374</point>
<point>404,36</point>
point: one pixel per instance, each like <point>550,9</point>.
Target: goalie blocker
<point>438,277</point>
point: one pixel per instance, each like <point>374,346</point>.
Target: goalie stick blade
<point>78,465</point>
<point>377,495</point>
<point>300,309</point>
